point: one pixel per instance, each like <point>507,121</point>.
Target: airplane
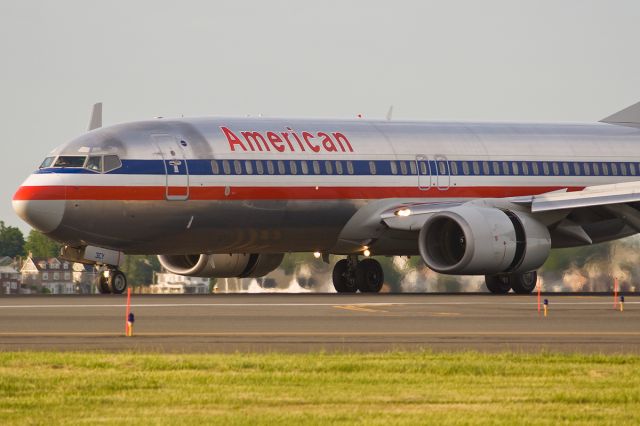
<point>228,197</point>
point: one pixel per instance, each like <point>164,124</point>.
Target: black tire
<point>369,276</point>
<point>523,283</point>
<point>497,284</point>
<point>103,285</point>
<point>343,281</point>
<point>117,282</point>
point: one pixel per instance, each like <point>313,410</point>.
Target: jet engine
<point>471,240</point>
<point>221,265</point>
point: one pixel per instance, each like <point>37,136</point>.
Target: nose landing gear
<point>351,275</point>
<point>112,281</point>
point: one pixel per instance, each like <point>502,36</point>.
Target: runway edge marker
<point>127,326</point>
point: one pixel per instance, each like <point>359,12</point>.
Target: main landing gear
<point>520,283</point>
<point>112,280</point>
<point>351,275</point>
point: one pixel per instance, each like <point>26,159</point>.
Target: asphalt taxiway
<point>315,322</point>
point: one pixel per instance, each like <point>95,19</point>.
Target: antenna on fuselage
<point>95,121</point>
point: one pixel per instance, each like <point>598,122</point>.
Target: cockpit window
<point>70,161</point>
<point>94,164</point>
<point>47,162</point>
<point>111,162</point>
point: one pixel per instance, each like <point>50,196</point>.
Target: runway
<point>321,322</point>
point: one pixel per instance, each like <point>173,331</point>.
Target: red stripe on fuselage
<point>144,193</point>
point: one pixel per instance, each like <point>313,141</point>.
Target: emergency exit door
<point>175,167</point>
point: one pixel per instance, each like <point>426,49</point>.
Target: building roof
<point>45,264</point>
<point>7,269</point>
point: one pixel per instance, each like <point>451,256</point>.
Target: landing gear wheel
<point>523,283</point>
<point>343,277</point>
<point>117,282</point>
<point>369,276</point>
<point>497,284</point>
<point>103,285</point>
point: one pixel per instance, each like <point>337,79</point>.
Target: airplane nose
<point>42,207</point>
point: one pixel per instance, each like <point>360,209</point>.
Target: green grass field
<point>391,388</point>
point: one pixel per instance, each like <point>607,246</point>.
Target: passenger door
<point>443,172</point>
<point>175,167</point>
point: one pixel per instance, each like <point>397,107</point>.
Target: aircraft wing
<point>613,198</point>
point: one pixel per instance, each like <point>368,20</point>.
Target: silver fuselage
<point>259,185</point>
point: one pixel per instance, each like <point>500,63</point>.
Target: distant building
<point>9,280</point>
<point>47,275</point>
<point>168,283</point>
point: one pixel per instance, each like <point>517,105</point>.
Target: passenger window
<point>226,167</point>
<point>215,168</point>
<point>587,169</point>
<point>614,169</point>
<point>623,169</point>
<point>442,167</point>
<point>454,168</point>
<point>70,161</point>
<point>350,167</point>
<point>565,169</point>
<point>403,167</point>
<point>423,168</point>
<point>465,168</point>
<point>111,162</point>
<point>485,168</point>
<point>596,169</point>
<point>293,167</point>
<point>576,169</point>
<point>605,169</point>
<point>259,167</point>
<point>534,168</point>
<point>632,168</point>
<point>281,169</point>
<point>525,168</point>
<point>514,167</point>
<point>372,167</point>
<point>94,164</point>
<point>305,167</point>
<point>545,168</point>
<point>556,168</point>
<point>413,168</point>
<point>316,167</point>
<point>237,167</point>
<point>496,168</point>
<point>505,168</point>
<point>46,163</point>
<point>328,167</point>
<point>339,167</point>
<point>248,167</point>
<point>476,168</point>
<point>270,168</point>
<point>394,168</point>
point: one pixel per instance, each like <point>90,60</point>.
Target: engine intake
<point>221,265</point>
<point>470,240</point>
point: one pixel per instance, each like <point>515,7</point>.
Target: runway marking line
<point>323,333</point>
<point>358,308</point>
<point>259,305</point>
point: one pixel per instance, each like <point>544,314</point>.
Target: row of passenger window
<point>424,168</point>
<point>282,167</point>
<point>537,168</point>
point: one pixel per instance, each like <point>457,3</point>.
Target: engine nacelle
<point>470,240</point>
<point>221,265</point>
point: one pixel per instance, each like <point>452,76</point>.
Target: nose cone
<point>41,206</point>
<point>43,215</point>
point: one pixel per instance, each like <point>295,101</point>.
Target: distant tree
<point>11,241</point>
<point>140,268</point>
<point>39,245</point>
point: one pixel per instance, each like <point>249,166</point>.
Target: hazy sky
<point>539,60</point>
